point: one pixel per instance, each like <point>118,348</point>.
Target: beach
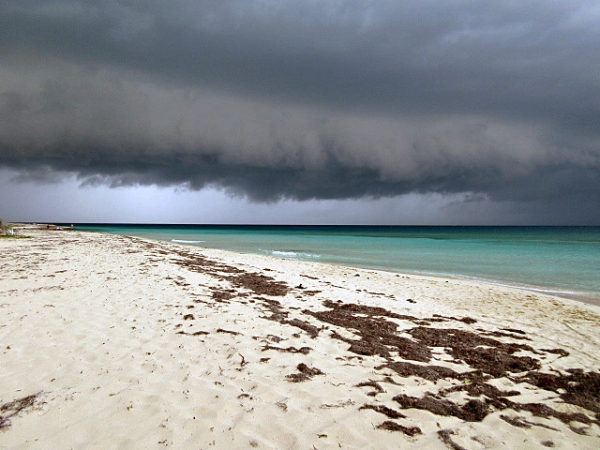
<point>115,342</point>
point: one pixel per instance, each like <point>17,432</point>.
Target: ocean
<point>564,261</point>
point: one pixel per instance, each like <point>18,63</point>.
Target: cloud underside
<point>307,101</point>
<point>117,132</point>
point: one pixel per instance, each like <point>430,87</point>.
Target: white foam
<point>293,255</point>
<point>181,241</point>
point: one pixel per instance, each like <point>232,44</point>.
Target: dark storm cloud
<point>450,57</point>
<point>308,99</point>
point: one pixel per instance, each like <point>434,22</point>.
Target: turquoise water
<point>560,260</point>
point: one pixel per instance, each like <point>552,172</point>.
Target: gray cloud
<point>309,100</point>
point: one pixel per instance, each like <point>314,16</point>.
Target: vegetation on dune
<point>7,230</point>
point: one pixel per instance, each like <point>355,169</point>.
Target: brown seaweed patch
<point>312,330</point>
<point>502,334</point>
<point>297,377</point>
<point>476,410</point>
<point>222,295</point>
<point>364,347</point>
<point>382,409</point>
<point>428,372</point>
<point>377,335</point>
<point>308,370</point>
<point>577,387</point>
<point>483,353</point>
<point>544,411</point>
<point>475,386</point>
<point>278,314</point>
<point>196,333</point>
<point>260,284</point>
<point>514,330</point>
<point>13,408</point>
<point>302,350</point>
<point>472,411</point>
<point>372,383</point>
<point>444,436</point>
<point>309,276</point>
<point>524,423</point>
<point>495,361</point>
<point>312,293</point>
<point>197,263</point>
<point>467,320</point>
<point>556,351</point>
<point>353,309</point>
<point>305,373</point>
<point>221,330</point>
<point>516,421</point>
<point>393,426</point>
<point>375,331</point>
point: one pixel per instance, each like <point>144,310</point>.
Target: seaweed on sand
<point>13,408</point>
<point>305,373</point>
<point>407,344</point>
<point>486,358</point>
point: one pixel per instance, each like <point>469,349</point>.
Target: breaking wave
<point>292,254</point>
<point>181,241</point>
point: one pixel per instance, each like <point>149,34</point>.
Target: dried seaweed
<point>260,284</point>
<point>523,423</point>
<point>374,331</point>
<point>196,333</point>
<point>483,353</point>
<point>486,357</point>
<point>467,320</point>
<point>577,388</point>
<point>371,383</point>
<point>516,421</point>
<point>472,411</point>
<point>303,350</point>
<point>222,295</point>
<point>13,408</point>
<point>221,330</point>
<point>428,372</point>
<point>382,409</point>
<point>377,335</point>
<point>444,436</point>
<point>305,373</point>
<point>312,330</point>
<point>393,426</point>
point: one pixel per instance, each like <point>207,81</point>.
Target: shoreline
<point>581,297</point>
<point>588,297</point>
<point>112,341</point>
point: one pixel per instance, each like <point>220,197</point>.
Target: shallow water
<point>559,260</point>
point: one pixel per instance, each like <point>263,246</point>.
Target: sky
<point>324,112</point>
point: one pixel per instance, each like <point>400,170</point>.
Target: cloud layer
<point>308,100</point>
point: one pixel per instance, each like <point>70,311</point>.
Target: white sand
<point>89,323</point>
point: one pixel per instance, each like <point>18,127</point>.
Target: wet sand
<point>116,342</point>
